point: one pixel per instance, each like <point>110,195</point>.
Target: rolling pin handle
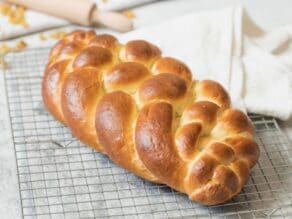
<point>82,12</point>
<point>112,20</point>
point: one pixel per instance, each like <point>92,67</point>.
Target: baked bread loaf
<point>147,114</point>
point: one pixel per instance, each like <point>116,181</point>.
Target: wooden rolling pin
<point>82,12</point>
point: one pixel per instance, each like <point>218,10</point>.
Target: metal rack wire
<point>61,178</point>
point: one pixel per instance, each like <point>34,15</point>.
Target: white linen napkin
<point>254,68</point>
<point>39,21</point>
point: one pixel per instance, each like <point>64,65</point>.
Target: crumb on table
<point>15,13</point>
<point>3,63</point>
<point>5,8</point>
<point>20,45</point>
<point>58,35</point>
<point>42,37</point>
<point>4,49</point>
<point>129,13</point>
<point>54,35</point>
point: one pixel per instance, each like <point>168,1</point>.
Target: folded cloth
<point>38,21</point>
<point>225,45</point>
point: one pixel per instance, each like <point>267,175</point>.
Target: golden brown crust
<point>145,112</point>
<point>163,86</point>
<point>213,92</point>
<point>200,172</point>
<point>126,75</point>
<point>203,112</point>
<point>225,176</point>
<point>114,116</point>
<point>211,194</point>
<point>140,51</point>
<point>186,138</point>
<point>104,40</point>
<point>52,86</point>
<point>92,56</point>
<point>154,143</point>
<point>236,121</point>
<point>77,37</point>
<point>174,66</point>
<point>221,152</point>
<point>245,148</point>
<point>80,36</point>
<point>68,50</point>
<point>241,169</point>
<point>81,91</point>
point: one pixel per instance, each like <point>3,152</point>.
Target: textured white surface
<point>269,14</point>
<point>9,195</point>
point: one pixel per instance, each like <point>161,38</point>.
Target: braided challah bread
<point>145,112</point>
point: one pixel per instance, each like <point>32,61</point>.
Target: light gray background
<point>267,13</point>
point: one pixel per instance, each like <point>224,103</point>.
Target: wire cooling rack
<point>61,178</point>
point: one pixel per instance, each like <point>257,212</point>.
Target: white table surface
<point>268,14</point>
